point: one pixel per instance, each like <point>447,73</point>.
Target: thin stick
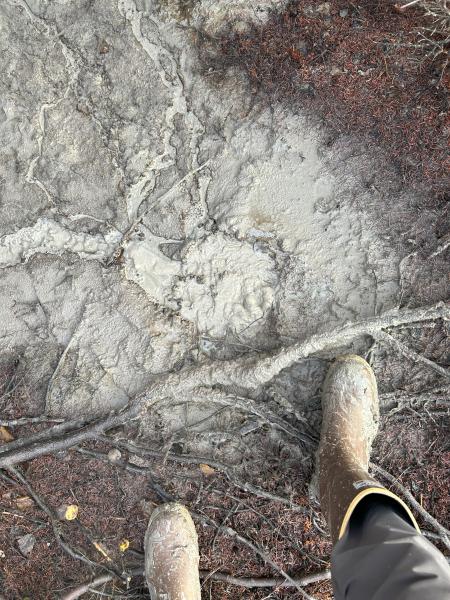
<point>230,532</point>
<point>402,7</point>
<point>91,431</point>
<point>411,354</point>
<point>275,528</point>
<point>56,525</point>
<point>252,372</point>
<point>252,407</point>
<point>28,421</point>
<point>198,460</point>
<point>51,432</point>
<point>86,587</point>
<point>445,533</point>
<point>265,582</point>
<point>245,582</point>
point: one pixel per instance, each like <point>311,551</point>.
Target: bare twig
<point>51,432</point>
<point>230,532</point>
<point>445,533</point>
<point>56,526</point>
<point>5,510</point>
<point>252,372</point>
<point>48,446</point>
<point>265,582</point>
<point>414,356</point>
<point>250,406</point>
<point>276,528</point>
<point>87,587</point>
<point>223,468</point>
<point>245,582</point>
<point>28,421</point>
<point>403,6</point>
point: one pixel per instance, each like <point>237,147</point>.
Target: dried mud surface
<point>157,211</point>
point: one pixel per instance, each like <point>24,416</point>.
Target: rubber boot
<point>171,554</point>
<point>350,415</point>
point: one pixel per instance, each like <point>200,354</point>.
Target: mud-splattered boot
<point>171,554</point>
<point>350,422</point>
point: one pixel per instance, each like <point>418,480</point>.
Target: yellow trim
<point>366,492</point>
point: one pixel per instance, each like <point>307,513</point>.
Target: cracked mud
<point>149,218</point>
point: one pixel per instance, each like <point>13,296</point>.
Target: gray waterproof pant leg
<point>382,557</point>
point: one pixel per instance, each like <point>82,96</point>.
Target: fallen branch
<point>251,372</point>
<point>256,370</point>
<point>33,449</point>
<point>28,421</point>
<point>245,582</point>
<point>411,354</point>
<point>95,583</point>
<point>198,460</point>
<point>265,582</point>
<point>444,533</point>
<point>52,432</point>
<point>54,522</point>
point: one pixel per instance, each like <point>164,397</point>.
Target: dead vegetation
<point>257,526</point>
<point>367,68</point>
<point>434,39</point>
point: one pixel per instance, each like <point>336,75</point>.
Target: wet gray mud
<point>151,219</point>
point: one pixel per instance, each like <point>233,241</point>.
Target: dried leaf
<point>124,545</point>
<point>71,512</point>
<point>206,469</point>
<point>5,435</point>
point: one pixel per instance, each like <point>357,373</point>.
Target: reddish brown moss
<point>356,65</point>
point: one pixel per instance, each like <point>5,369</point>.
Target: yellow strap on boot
<point>374,490</point>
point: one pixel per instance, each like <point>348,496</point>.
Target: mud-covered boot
<point>350,418</point>
<point>171,554</point>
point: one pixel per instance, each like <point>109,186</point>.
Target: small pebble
<point>26,544</point>
<point>114,455</point>
<point>343,12</point>
<point>324,8</point>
